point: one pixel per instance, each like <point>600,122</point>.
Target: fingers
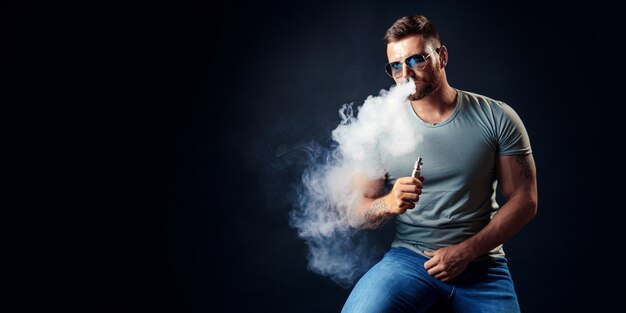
<point>437,270</point>
<point>431,263</point>
<point>400,206</point>
<point>410,188</point>
<point>440,269</point>
<point>407,205</point>
<point>441,274</point>
<point>406,192</point>
<point>409,192</point>
<point>410,197</point>
<point>408,180</point>
<point>406,189</point>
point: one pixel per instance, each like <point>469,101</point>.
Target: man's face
<point>426,80</point>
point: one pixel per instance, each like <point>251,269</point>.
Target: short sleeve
<point>511,133</point>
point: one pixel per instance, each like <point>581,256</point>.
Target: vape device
<point>417,168</point>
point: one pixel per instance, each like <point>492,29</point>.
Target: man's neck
<point>437,106</point>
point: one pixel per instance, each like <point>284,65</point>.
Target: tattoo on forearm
<point>524,161</point>
<point>377,214</point>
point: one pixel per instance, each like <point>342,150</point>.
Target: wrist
<point>384,204</point>
<point>470,250</point>
<point>376,214</point>
<point>381,206</point>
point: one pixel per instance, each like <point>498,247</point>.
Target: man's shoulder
<point>485,104</point>
<point>478,99</point>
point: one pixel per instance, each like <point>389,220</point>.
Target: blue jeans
<point>399,283</point>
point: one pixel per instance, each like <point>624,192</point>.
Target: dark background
<point>155,146</point>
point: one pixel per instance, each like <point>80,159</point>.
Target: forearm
<point>370,213</point>
<point>509,220</point>
<point>370,210</point>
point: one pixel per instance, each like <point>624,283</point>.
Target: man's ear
<point>443,55</point>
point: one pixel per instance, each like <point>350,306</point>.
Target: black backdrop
<point>158,144</point>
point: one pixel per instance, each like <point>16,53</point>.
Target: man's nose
<point>407,71</point>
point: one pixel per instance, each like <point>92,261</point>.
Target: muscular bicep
<point>516,176</point>
<point>370,187</point>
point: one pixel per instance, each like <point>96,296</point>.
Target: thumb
<point>429,253</point>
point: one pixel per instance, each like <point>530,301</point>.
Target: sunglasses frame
<point>388,67</point>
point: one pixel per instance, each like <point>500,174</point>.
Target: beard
<point>425,88</point>
<point>422,91</point>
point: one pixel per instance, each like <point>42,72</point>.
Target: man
<point>448,244</point>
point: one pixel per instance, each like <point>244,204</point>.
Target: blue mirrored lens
<point>414,60</point>
<point>394,68</point>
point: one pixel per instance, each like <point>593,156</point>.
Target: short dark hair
<point>409,26</point>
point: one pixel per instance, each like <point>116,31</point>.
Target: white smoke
<point>325,196</point>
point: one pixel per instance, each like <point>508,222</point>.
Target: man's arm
<point>517,179</point>
<point>372,209</point>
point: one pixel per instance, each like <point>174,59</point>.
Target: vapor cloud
<point>325,195</point>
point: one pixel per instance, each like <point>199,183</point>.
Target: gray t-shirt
<point>459,195</point>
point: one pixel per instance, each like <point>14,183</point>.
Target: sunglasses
<point>416,62</point>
